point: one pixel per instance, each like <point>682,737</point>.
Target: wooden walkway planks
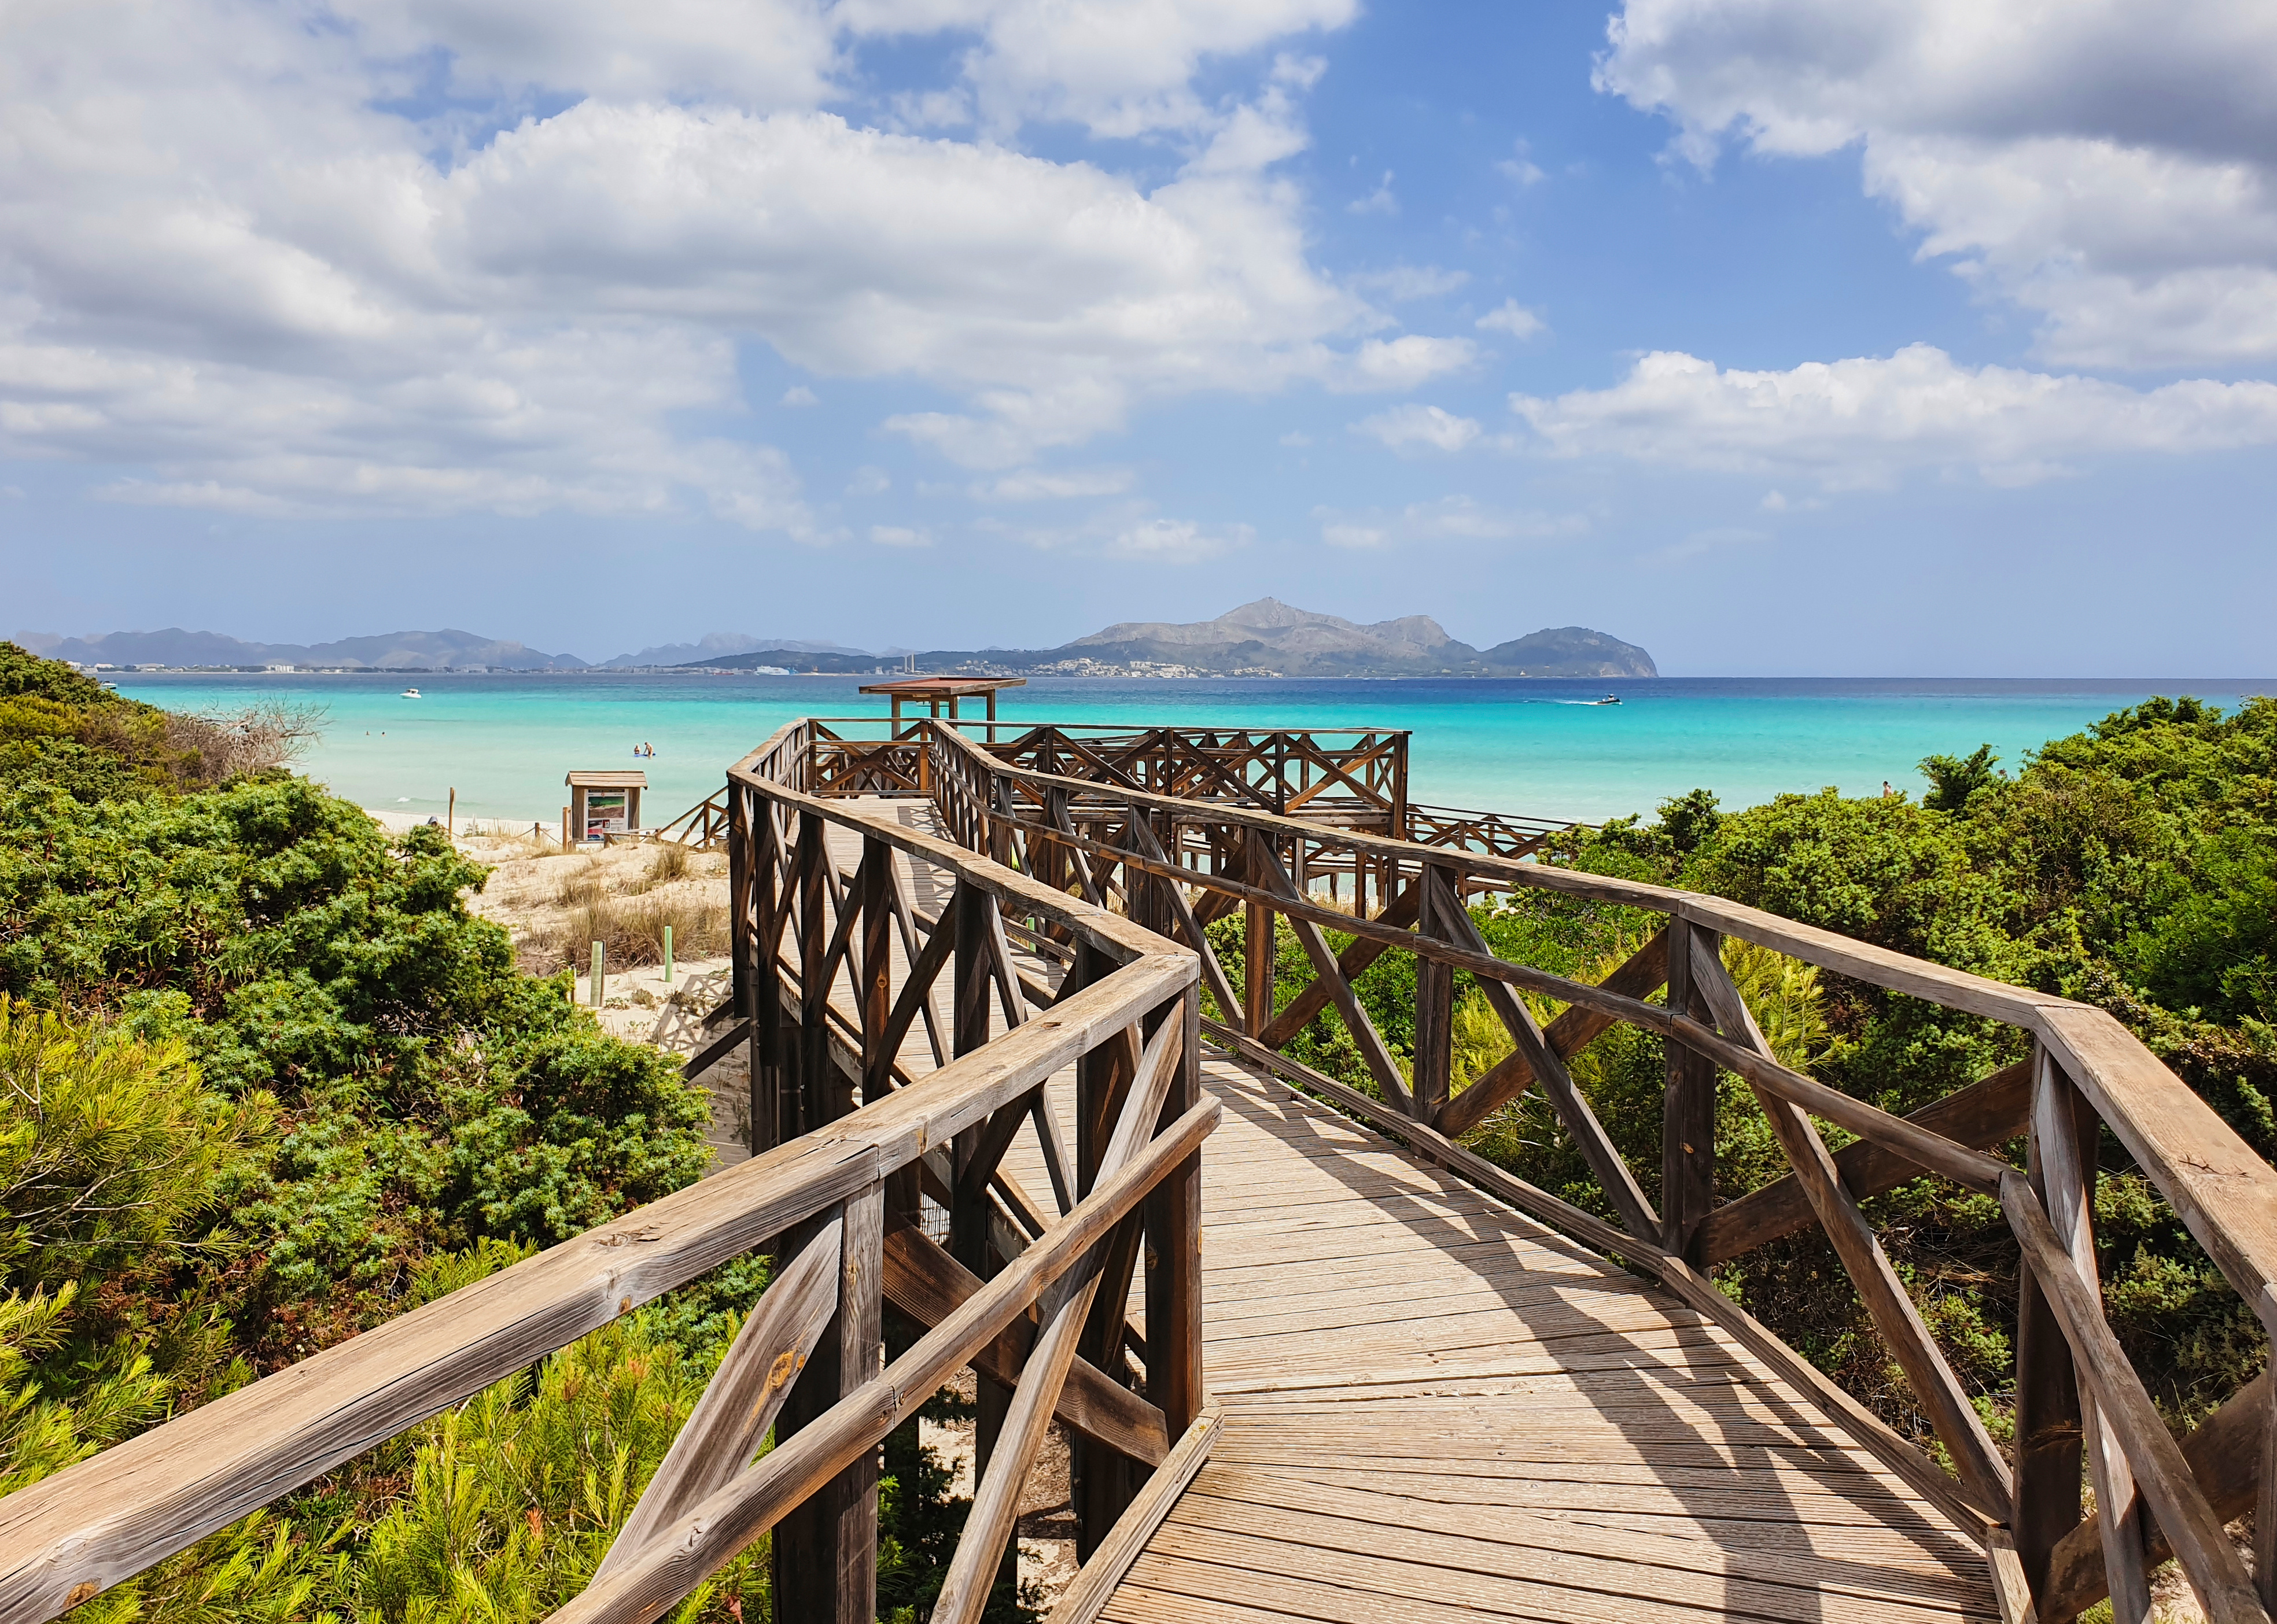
<point>1435,1408</point>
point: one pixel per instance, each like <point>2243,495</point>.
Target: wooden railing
<point>702,827</point>
<point>1176,864</point>
<point>1032,1298</point>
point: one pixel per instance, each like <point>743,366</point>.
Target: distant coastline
<point>1265,638</point>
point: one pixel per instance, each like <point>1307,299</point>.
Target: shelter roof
<point>608,780</point>
<point>943,688</point>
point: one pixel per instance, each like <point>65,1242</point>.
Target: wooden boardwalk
<point>1437,1409</point>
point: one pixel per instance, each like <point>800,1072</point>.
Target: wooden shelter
<point>602,804</point>
<point>938,691</point>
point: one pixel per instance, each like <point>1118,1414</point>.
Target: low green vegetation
<point>2132,866</point>
<point>264,1083</point>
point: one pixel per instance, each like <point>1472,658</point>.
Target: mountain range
<point>444,650</point>
<point>1264,638</point>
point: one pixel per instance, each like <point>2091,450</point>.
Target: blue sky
<point>1783,338</point>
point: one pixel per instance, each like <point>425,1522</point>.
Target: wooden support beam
<point>1984,1115</point>
<point>1688,1136</point>
<point>2064,1134</point>
<point>1435,991</point>
<point>874,883</point>
<point>825,1550</point>
<point>924,1282</point>
<point>1543,1061</point>
<point>1373,1049</point>
<point>730,1421</point>
<point>2162,1475</point>
<point>2225,1455</point>
<point>2048,1417</point>
<point>1935,1386</point>
<point>1313,997</point>
<point>1213,974</point>
<point>1638,976</point>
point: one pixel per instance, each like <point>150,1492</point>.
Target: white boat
<point>411,693</point>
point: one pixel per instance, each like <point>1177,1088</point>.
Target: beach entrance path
<point>1436,1408</point>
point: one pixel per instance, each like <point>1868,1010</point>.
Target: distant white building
<point>280,668</point>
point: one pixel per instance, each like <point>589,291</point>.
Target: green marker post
<point>667,955</point>
<point>595,984</point>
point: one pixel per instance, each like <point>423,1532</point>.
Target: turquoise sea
<point>504,741</point>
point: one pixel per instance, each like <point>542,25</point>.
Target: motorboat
<point>411,693</point>
<point>1610,698</point>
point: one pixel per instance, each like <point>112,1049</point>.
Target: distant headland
<point>1267,638</point>
<point>1264,639</point>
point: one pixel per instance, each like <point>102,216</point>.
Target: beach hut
<point>602,804</point>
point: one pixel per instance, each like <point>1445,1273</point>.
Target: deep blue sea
<point>504,741</point>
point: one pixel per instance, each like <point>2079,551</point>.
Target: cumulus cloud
<point>1864,422</point>
<point>899,536</point>
<point>1513,318</point>
<point>1177,540</point>
<point>227,262</point>
<point>2112,167</point>
<point>800,395</point>
<point>1404,363</point>
<point>1402,283</point>
<point>1449,518</point>
<point>1417,425</point>
<point>1382,201</point>
<point>1117,68</point>
<point>1055,484</point>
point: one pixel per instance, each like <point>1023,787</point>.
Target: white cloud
<point>1120,69</point>
<point>1513,318</point>
<point>361,312</point>
<point>1297,437</point>
<point>1861,422</point>
<point>869,480</point>
<point>899,536</point>
<point>1402,283</point>
<point>1520,168</point>
<point>800,395</point>
<point>1054,484</point>
<point>1380,201</point>
<point>1403,363</point>
<point>1177,540</point>
<point>2111,167</point>
<point>1413,424</point>
<point>1449,518</point>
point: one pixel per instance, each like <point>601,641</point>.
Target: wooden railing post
<point>1688,1142</point>
<point>2063,1139</point>
<point>1435,994</point>
<point>1174,1242</point>
<point>1257,942</point>
<point>810,875</point>
<point>762,847</point>
<point>2048,1425</point>
<point>874,895</point>
<point>826,1551</point>
<point>1104,1480</point>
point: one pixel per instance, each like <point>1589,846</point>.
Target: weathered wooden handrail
<point>806,1362</point>
<point>1199,860</point>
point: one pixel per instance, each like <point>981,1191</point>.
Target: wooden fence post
<point>1435,994</point>
<point>1688,1142</point>
<point>1174,1228</point>
<point>825,1551</point>
<point>1257,942</point>
<point>2047,1409</point>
